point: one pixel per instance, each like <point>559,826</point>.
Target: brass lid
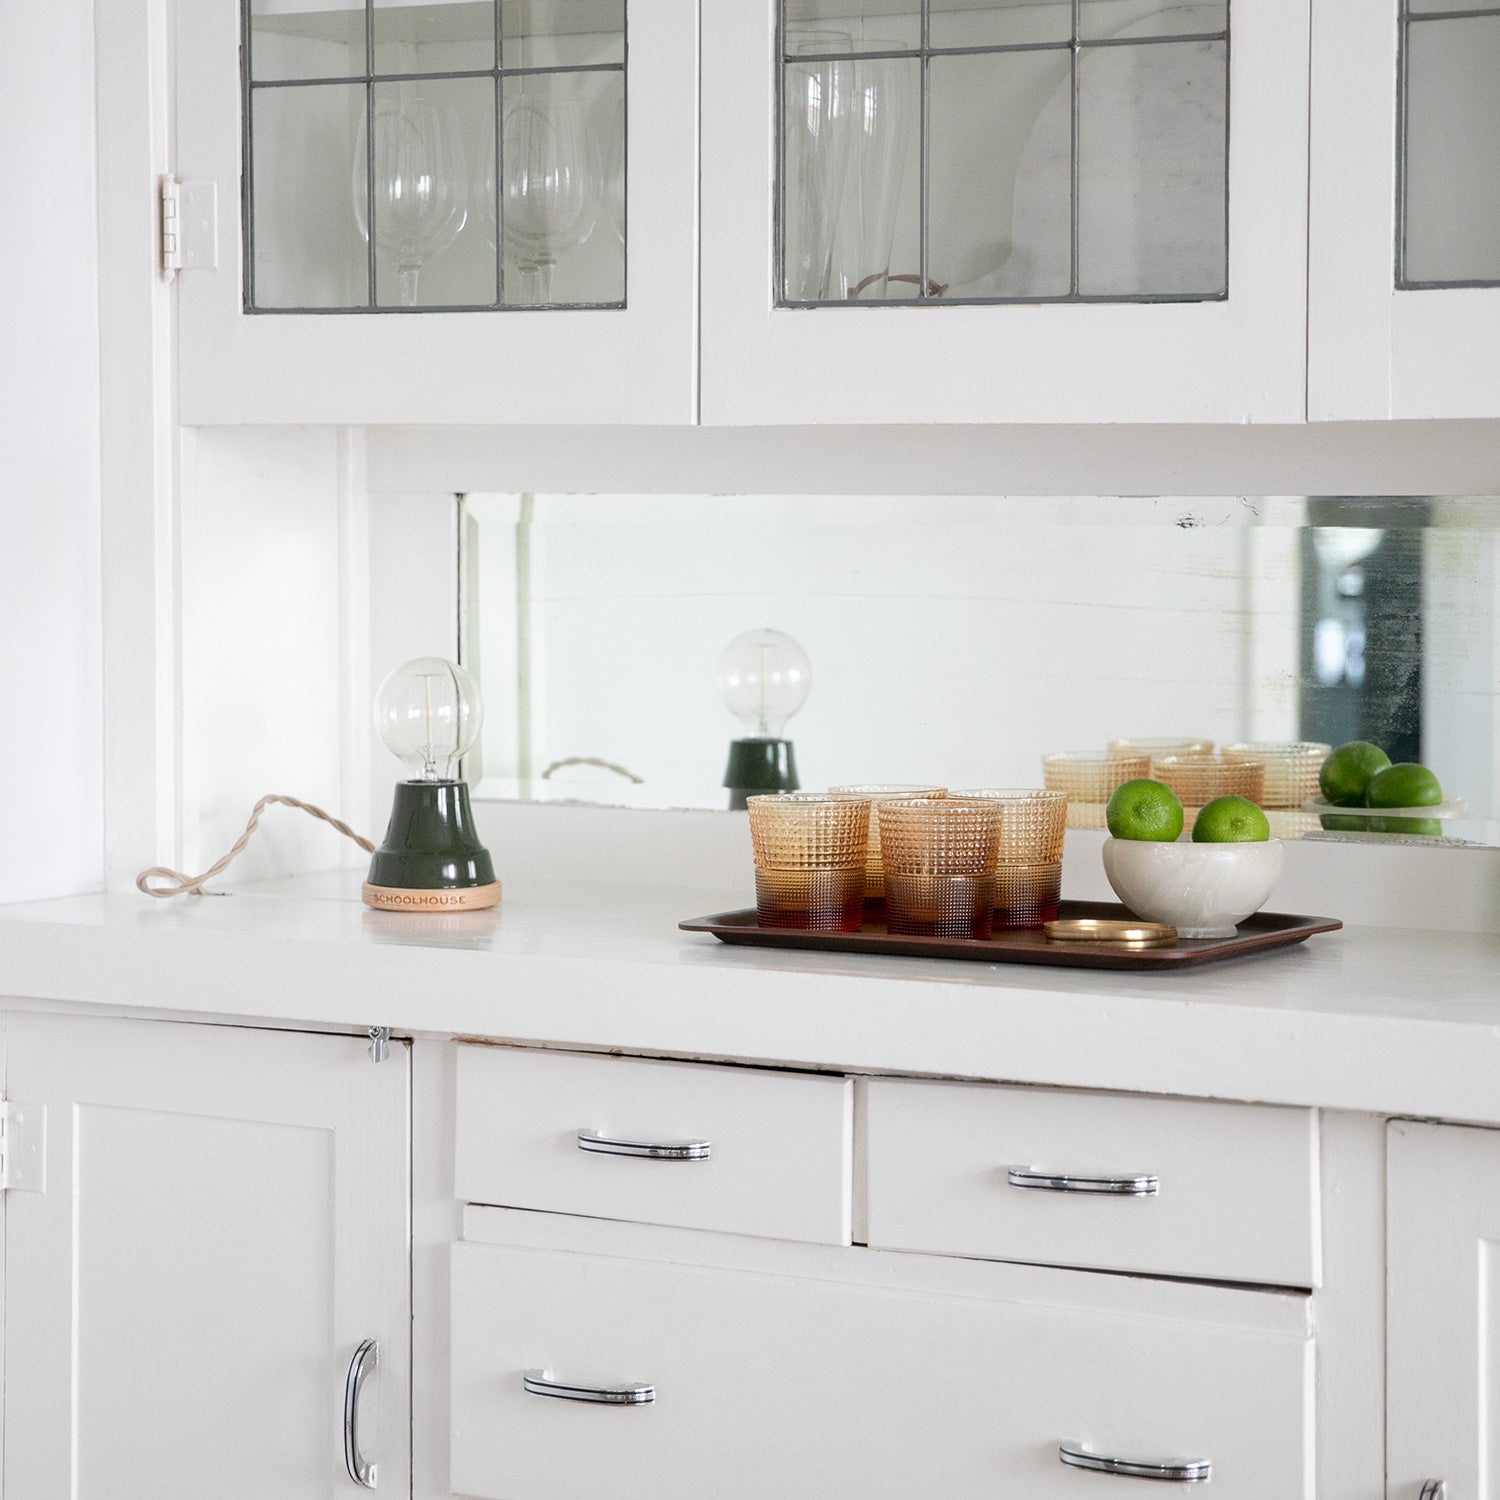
<point>1117,934</point>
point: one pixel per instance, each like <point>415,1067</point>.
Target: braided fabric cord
<point>162,882</point>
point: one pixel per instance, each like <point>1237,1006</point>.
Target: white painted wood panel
<point>1237,1197</point>
<point>1233,361</point>
<point>781,1143</point>
<point>1443,1310</point>
<point>519,366</point>
<point>791,1384</point>
<point>225,1219</point>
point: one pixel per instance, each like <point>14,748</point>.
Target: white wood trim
<point>1349,1309</point>
<point>1234,361</point>
<point>1346,458</point>
<point>142,718</point>
<point>631,365</point>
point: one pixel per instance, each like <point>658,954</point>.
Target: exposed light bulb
<point>765,677</point>
<point>428,713</point>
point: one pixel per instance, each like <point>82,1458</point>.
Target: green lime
<point>1343,823</point>
<point>1144,810</point>
<point>1427,827</point>
<point>1346,773</point>
<point>1404,785</point>
<point>1231,820</point>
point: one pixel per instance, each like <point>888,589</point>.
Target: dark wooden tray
<point>1265,930</point>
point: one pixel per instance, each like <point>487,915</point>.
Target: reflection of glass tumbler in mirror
<point>939,860</point>
<point>884,116</point>
<point>551,193</point>
<point>421,186</point>
<point>818,110</point>
<point>809,860</point>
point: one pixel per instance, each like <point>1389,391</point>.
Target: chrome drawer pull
<point>366,1358</point>
<point>606,1145</point>
<point>1434,1489</point>
<point>1173,1470</point>
<point>1144,1185</point>
<point>540,1383</point>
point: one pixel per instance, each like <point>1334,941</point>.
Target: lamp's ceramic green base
<point>431,858</point>
<point>756,766</point>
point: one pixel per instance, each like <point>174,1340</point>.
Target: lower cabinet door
<point>1443,1311</point>
<point>207,1225</point>
<point>582,1375</point>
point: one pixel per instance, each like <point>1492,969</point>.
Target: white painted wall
<point>51,732</point>
<point>268,625</point>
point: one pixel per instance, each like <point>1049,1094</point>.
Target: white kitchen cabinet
<point>220,1222</point>
<point>614,353</point>
<point>1113,353</point>
<point>807,1371</point>
<point>1442,1317</point>
<point>1411,160</point>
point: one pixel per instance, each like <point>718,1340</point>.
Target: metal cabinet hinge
<point>189,226</point>
<point>380,1043</point>
<point>23,1147</point>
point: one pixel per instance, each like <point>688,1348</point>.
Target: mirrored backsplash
<point>957,641</point>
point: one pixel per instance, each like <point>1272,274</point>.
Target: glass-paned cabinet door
<point>1405,228</point>
<point>479,211</point>
<point>1004,210</point>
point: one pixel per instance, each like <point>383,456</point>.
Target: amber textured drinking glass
<point>1089,777</point>
<point>1291,767</point>
<point>876,793</point>
<point>809,860</point>
<point>939,857</point>
<point>1028,862</point>
<point>1156,747</point>
<point>1198,779</point>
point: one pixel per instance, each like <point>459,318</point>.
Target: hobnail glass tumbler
<point>1165,746</point>
<point>876,793</point>
<point>1198,779</point>
<point>1028,870</point>
<point>809,860</point>
<point>939,856</point>
<point>1027,895</point>
<point>1091,775</point>
<point>1291,767</point>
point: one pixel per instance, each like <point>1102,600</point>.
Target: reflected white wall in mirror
<point>958,640</point>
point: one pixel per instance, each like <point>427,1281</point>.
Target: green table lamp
<point>428,712</point>
<point>765,678</point>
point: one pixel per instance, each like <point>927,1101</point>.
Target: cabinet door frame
<point>636,364</point>
<point>67,1064</point>
<point>1375,352</point>
<point>1238,360</point>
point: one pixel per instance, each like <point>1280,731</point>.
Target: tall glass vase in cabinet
<point>1404,268</point>
<point>992,211</point>
<point>480,211</point>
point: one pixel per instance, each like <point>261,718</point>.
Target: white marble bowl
<point>1203,890</point>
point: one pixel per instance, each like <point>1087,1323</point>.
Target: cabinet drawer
<point>1231,1195</point>
<point>784,1384</point>
<point>763,1153</point>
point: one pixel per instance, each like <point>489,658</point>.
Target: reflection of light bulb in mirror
<point>765,678</point>
<point>428,712</point>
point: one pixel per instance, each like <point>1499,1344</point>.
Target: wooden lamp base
<point>455,898</point>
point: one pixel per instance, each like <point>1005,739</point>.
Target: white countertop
<point>1386,1020</point>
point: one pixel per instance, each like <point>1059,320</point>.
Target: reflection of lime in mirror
<point>1404,785</point>
<point>1346,773</point>
<point>1421,827</point>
